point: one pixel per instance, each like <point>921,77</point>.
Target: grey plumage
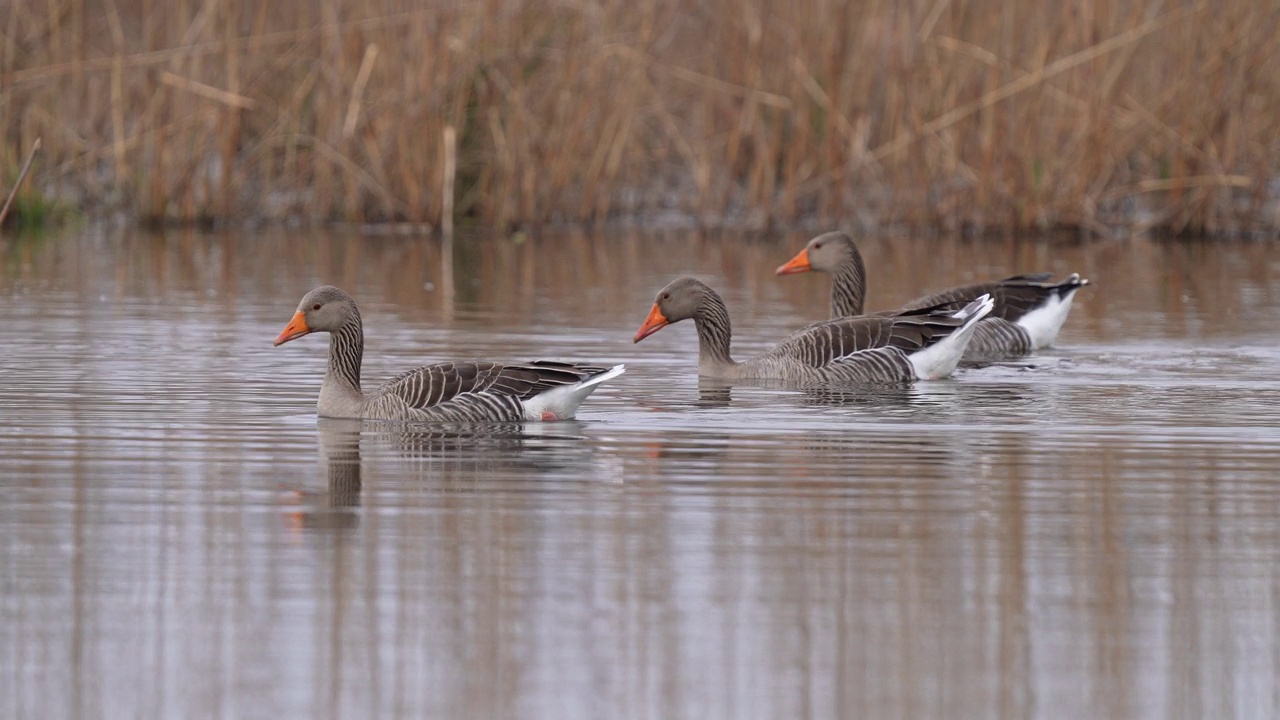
<point>873,349</point>
<point>998,339</point>
<point>1010,331</point>
<point>473,391</point>
<point>1014,297</point>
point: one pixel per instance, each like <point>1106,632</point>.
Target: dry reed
<point>1111,116</point>
<point>17,184</point>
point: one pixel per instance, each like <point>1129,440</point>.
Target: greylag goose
<point>445,392</point>
<point>913,345</point>
<point>1029,309</point>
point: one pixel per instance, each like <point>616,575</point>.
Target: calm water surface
<point>1093,533</point>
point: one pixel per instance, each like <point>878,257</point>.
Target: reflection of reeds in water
<point>1140,289</point>
<point>972,114</point>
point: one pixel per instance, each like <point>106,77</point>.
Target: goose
<point>476,391</point>
<point>1029,309</point>
<point>923,344</point>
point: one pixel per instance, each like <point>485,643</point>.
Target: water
<point>1093,533</point>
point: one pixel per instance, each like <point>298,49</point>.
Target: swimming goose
<point>444,392</point>
<point>914,345</point>
<point>1029,309</point>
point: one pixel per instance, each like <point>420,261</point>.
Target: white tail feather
<point>1043,323</point>
<point>562,402</point>
<point>940,359</point>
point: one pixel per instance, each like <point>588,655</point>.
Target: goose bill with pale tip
<point>652,324</point>
<point>797,264</point>
<point>296,328</point>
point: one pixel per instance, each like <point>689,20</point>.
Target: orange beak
<point>797,264</point>
<point>296,328</point>
<point>652,324</point>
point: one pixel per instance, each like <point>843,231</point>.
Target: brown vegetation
<point>968,114</point>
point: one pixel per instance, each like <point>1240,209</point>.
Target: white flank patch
<point>1043,323</point>
<point>563,402</point>
<point>940,359</point>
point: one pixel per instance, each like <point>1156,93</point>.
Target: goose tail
<point>1043,323</point>
<point>940,359</point>
<point>561,403</point>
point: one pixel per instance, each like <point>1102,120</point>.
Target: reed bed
<point>971,115</point>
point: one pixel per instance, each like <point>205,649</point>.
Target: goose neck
<point>346,351</point>
<point>714,333</point>
<point>848,288</point>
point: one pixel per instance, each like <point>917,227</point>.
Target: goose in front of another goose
<point>923,344</point>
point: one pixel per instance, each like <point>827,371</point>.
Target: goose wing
<point>431,386</point>
<point>835,341</point>
<point>1014,296</point>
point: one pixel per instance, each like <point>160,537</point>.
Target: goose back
<point>868,349</point>
<point>1014,296</point>
<point>472,391</point>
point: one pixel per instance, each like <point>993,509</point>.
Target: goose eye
<point>817,245</point>
<point>666,296</point>
<point>316,306</point>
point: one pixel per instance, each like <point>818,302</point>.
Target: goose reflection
<point>715,393</point>
<point>340,449</point>
<point>441,454</point>
<point>484,451</point>
<point>335,507</point>
<point>874,397</point>
<point>931,401</point>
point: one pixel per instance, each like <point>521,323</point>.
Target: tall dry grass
<point>979,114</point>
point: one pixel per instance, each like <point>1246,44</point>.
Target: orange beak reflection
<point>652,324</point>
<point>797,264</point>
<point>296,328</point>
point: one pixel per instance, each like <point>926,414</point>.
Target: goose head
<point>824,253</point>
<point>324,309</point>
<point>682,299</point>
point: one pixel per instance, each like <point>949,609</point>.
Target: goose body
<point>470,391</point>
<point>1029,310</point>
<point>924,344</point>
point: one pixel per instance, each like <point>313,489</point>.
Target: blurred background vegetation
<point>1110,116</point>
